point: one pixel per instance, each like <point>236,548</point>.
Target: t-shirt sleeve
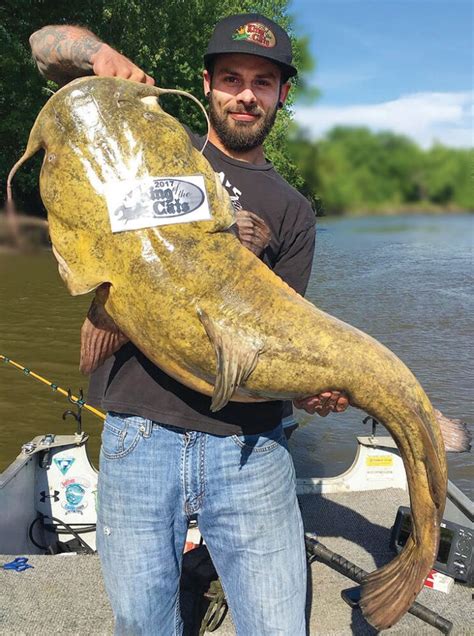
<point>295,259</point>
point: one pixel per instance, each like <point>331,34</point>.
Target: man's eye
<point>230,80</point>
<point>262,82</point>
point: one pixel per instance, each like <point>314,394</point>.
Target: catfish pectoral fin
<point>237,355</point>
<point>457,437</point>
<point>97,345</point>
<point>100,336</point>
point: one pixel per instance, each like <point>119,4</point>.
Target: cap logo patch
<point>257,33</point>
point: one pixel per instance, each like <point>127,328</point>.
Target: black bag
<point>199,581</point>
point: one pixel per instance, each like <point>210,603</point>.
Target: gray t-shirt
<point>129,383</point>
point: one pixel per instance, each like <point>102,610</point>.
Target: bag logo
<point>152,201</point>
<point>257,33</point>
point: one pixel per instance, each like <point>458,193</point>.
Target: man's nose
<point>246,96</point>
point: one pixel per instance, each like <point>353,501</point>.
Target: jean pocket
<point>261,442</point>
<point>121,435</point>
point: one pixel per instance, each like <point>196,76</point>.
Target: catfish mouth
<point>76,284</point>
<point>150,100</point>
<point>63,268</point>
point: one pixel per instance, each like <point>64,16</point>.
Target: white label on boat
<point>152,201</point>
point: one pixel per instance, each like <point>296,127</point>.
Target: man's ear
<point>206,80</point>
<point>284,90</point>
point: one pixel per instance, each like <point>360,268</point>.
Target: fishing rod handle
<point>319,550</point>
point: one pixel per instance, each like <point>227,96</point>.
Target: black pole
<point>316,549</point>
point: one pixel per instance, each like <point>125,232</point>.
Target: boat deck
<point>65,594</point>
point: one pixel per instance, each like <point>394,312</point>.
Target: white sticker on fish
<point>140,203</point>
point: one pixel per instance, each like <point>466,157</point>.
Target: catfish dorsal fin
<point>237,356</point>
<point>456,435</point>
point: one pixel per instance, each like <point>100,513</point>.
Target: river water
<point>407,281</point>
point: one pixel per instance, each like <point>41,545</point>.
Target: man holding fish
<point>165,456</point>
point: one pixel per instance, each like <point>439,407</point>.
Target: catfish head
<point>107,139</point>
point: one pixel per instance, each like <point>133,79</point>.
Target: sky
<point>399,65</point>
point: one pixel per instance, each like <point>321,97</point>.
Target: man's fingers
<point>256,237</point>
<point>138,75</point>
<point>104,70</point>
<point>250,219</point>
<point>110,63</point>
<point>249,224</point>
<point>342,404</point>
<point>258,221</point>
<point>253,232</point>
<point>324,403</point>
<point>336,402</point>
<point>251,235</point>
<point>310,404</point>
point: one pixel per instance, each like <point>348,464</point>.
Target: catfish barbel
<point>204,308</point>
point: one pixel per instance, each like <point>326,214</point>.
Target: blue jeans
<point>242,488</point>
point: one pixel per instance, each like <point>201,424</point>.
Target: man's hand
<point>324,403</point>
<point>252,231</point>
<point>108,62</point>
<point>64,52</point>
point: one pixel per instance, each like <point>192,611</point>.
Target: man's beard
<point>241,136</point>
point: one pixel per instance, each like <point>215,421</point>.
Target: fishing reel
<point>79,404</point>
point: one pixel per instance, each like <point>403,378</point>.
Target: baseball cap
<point>254,34</point>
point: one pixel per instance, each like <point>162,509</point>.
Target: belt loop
<point>147,428</point>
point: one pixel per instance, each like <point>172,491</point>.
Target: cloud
<point>425,117</point>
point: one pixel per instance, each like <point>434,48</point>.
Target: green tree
<point>356,170</point>
<point>448,176</point>
<point>22,89</point>
<point>167,39</point>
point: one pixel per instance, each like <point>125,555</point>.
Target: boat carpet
<point>65,594</point>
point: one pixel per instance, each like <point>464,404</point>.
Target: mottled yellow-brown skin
<point>181,292</point>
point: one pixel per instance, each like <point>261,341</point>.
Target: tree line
<point>350,170</point>
<point>354,170</point>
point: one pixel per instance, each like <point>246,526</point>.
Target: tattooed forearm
<point>63,53</point>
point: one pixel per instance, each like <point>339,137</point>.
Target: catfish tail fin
<point>390,591</point>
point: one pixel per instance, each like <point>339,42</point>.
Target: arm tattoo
<point>63,53</point>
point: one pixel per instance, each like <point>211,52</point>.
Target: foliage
<point>355,170</point>
<point>349,170</point>
<point>448,176</point>
<point>166,39</point>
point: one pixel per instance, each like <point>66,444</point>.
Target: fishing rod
<point>72,398</point>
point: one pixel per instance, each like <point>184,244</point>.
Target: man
<point>165,457</point>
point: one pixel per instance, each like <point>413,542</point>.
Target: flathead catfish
<point>119,179</point>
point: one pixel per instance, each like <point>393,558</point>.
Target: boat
<point>48,515</point>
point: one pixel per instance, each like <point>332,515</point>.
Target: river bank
<point>420,209</point>
<point>35,235</point>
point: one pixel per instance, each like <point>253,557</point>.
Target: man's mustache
<point>246,110</point>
